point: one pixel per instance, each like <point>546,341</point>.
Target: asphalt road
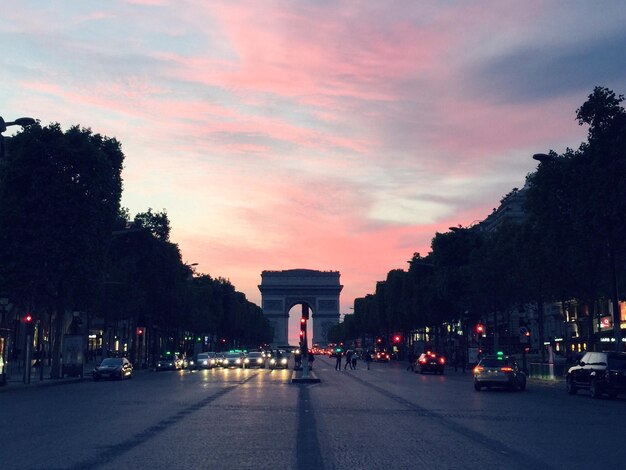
<point>256,419</point>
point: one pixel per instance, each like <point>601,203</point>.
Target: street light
<point>23,121</point>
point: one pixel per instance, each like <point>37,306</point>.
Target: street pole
<point>303,347</point>
<point>617,320</point>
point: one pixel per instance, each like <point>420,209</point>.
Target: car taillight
<point>422,361</point>
<point>442,360</point>
<point>506,369</point>
<point>478,369</point>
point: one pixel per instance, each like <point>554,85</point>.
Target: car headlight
<point>225,361</point>
<point>171,364</point>
<point>283,361</point>
<point>191,362</point>
<point>204,363</point>
<point>237,361</point>
<point>212,361</point>
<point>259,361</point>
<point>246,361</point>
<point>272,361</point>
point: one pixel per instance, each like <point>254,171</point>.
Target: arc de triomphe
<point>281,290</point>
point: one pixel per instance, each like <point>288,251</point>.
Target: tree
<point>59,200</point>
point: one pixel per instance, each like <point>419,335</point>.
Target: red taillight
<point>477,369</point>
<point>422,361</point>
<point>506,369</point>
<point>442,360</point>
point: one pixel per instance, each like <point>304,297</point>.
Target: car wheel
<point>477,386</point>
<point>569,385</point>
<point>595,390</point>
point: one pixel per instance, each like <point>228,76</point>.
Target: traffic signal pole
<point>304,342</point>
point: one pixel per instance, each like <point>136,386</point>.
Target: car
<point>600,373</point>
<point>381,356</point>
<point>233,360</point>
<point>499,371</point>
<point>255,359</point>
<point>431,362</point>
<point>169,362</point>
<point>113,368</point>
<point>206,360</point>
<point>279,361</point>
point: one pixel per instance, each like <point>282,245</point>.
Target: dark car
<point>233,360</point>
<point>206,360</point>
<point>499,371</point>
<point>431,362</point>
<point>382,356</point>
<point>279,361</point>
<point>169,362</point>
<point>255,359</point>
<point>600,373</point>
<point>113,368</point>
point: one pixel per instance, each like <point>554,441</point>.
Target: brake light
<point>506,369</point>
<point>422,361</point>
<point>478,369</point>
<point>442,360</point>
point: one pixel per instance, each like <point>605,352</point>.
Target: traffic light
<point>379,340</point>
<point>140,331</point>
<point>480,328</point>
<point>396,339</point>
<point>28,322</point>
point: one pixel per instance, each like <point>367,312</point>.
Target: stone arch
<point>282,290</point>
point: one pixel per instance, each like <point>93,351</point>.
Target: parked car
<point>600,373</point>
<point>499,371</point>
<point>169,362</point>
<point>113,368</point>
<point>431,362</point>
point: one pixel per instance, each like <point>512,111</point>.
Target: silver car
<point>499,371</point>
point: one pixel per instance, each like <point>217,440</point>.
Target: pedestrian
<point>348,359</point>
<point>338,363</point>
<point>311,359</point>
<point>368,359</point>
<point>411,358</point>
<point>353,359</point>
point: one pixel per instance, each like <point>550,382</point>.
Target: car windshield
<point>255,354</point>
<point>166,358</point>
<point>112,361</point>
<point>617,362</point>
<point>233,356</point>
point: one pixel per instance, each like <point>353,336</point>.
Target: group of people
<point>351,359</point>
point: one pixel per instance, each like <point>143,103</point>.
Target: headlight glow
<point>237,361</point>
<point>272,361</point>
<point>225,361</point>
<point>259,361</point>
<point>246,361</point>
<point>283,361</point>
<point>205,362</point>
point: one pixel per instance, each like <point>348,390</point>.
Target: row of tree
<point>570,246</point>
<point>67,245</point>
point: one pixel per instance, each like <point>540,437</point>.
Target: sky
<point>330,135</point>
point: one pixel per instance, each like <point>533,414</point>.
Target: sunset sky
<point>331,135</point>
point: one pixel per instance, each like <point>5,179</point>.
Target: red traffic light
<point>396,339</point>
<point>379,340</point>
<point>28,318</point>
<point>480,328</point>
<point>139,331</point>
<point>302,320</point>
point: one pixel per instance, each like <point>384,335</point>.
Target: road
<point>256,419</point>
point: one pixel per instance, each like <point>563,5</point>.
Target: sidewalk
<point>15,381</point>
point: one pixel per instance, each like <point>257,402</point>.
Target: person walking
<point>338,363</point>
<point>368,359</point>
<point>348,359</point>
<point>353,359</point>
